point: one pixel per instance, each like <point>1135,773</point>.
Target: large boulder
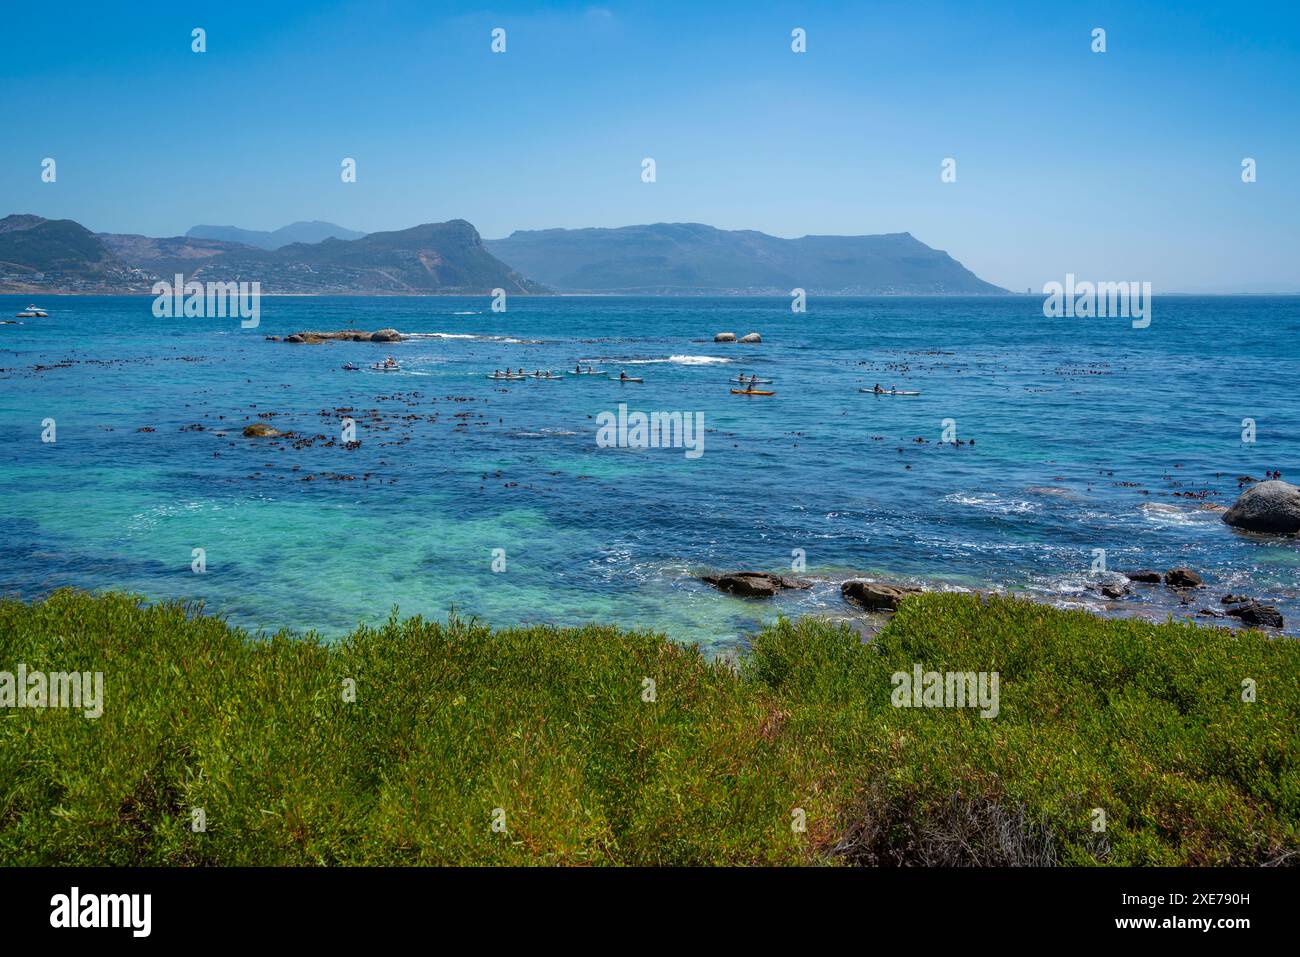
<point>876,596</point>
<point>752,337</point>
<point>1145,575</point>
<point>725,337</point>
<point>386,335</point>
<point>1267,507</point>
<point>1253,613</point>
<point>753,584</point>
<point>1182,578</point>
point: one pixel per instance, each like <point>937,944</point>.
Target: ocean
<point>1086,441</point>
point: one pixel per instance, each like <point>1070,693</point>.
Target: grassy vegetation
<point>453,720</point>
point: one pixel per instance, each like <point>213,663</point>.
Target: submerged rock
<point>1114,591</point>
<point>1182,578</point>
<point>1272,506</point>
<point>875,596</point>
<point>753,584</point>
<point>257,430</point>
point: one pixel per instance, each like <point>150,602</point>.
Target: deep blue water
<point>1086,432</point>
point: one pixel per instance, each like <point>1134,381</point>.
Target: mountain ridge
<point>303,231</point>
<point>698,259</point>
<point>38,254</point>
<point>449,258</point>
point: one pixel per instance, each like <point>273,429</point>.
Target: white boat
<point>33,312</point>
<point>385,367</point>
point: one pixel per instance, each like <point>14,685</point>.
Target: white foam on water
<point>544,433</point>
<point>1177,516</point>
<point>698,360</point>
<point>470,336</point>
<point>676,360</point>
<point>992,503</point>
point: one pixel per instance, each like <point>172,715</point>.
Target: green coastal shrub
<point>796,756</point>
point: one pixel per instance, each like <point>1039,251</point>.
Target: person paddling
<point>877,389</point>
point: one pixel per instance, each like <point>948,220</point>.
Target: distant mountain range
<point>61,255</point>
<point>693,259</point>
<point>301,232</point>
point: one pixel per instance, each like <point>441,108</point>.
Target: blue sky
<point>1122,165</point>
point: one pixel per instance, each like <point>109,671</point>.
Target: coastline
<point>1152,603</point>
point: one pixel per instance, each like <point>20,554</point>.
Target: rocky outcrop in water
<point>1182,578</point>
<point>1254,613</point>
<point>725,337</point>
<point>1146,576</point>
<point>751,338</point>
<point>345,335</point>
<point>876,596</point>
<point>753,584</point>
<point>1272,507</point>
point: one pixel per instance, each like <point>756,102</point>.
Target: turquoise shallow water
<point>1087,433</point>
